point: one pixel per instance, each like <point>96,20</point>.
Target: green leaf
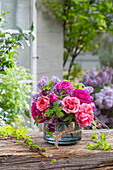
<point>66,119</point>
<point>27,113</point>
<point>19,29</point>
<point>49,133</point>
<point>50,84</point>
<point>53,160</point>
<point>32,27</point>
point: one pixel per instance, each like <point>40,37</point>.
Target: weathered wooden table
<point>19,157</point>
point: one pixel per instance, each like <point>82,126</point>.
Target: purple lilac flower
<point>94,79</point>
<point>104,99</point>
<point>88,89</point>
<point>42,82</point>
<point>55,79</point>
<point>35,97</point>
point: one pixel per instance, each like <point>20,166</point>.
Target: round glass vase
<point>68,139</point>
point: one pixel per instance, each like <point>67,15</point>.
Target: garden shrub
<point>14,94</point>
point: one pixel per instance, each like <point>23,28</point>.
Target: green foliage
<point>49,133</point>
<point>83,21</point>
<point>68,118</point>
<point>14,94</point>
<point>102,144</point>
<point>48,85</point>
<point>9,44</point>
<point>55,110</point>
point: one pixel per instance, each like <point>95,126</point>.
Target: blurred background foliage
<point>83,21</point>
<point>15,89</point>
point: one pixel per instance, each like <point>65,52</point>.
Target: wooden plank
<point>17,157</point>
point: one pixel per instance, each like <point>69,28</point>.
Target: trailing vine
<point>21,137</point>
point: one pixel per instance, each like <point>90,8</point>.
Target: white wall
<point>49,34</point>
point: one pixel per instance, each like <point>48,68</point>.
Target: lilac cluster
<point>94,79</point>
<point>35,97</point>
<point>41,83</point>
<point>104,103</point>
<point>44,81</point>
<point>104,99</point>
<point>88,89</point>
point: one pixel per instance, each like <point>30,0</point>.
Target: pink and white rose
<point>84,116</point>
<point>43,103</point>
<point>70,104</point>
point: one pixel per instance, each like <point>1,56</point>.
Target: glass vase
<point>68,139</point>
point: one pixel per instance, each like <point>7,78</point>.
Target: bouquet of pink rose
<point>62,101</point>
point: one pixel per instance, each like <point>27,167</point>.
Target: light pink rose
<point>70,104</point>
<point>65,86</point>
<point>43,103</point>
<point>82,95</point>
<point>53,98</point>
<point>84,116</point>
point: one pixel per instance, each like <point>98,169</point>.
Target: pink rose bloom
<point>43,103</point>
<point>36,112</point>
<point>70,104</point>
<point>84,116</point>
<point>65,86</point>
<point>53,98</point>
<point>82,95</point>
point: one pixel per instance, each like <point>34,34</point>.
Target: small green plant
<point>102,143</point>
<point>14,94</point>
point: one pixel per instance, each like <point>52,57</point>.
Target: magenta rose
<point>53,98</point>
<point>84,116</point>
<point>36,112</point>
<point>43,103</point>
<point>65,86</point>
<point>70,104</point>
<point>82,95</point>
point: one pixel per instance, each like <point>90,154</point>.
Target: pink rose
<point>82,95</point>
<point>93,105</point>
<point>53,98</point>
<point>70,104</point>
<point>43,103</point>
<point>84,116</point>
<point>65,86</point>
<point>36,112</point>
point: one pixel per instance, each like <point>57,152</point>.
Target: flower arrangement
<point>62,101</point>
